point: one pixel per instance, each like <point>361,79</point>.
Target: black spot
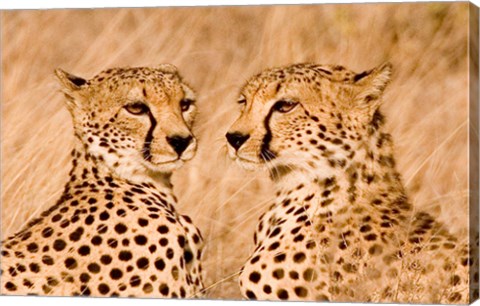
<point>59,245</point>
<point>84,250</point>
<point>35,268</point>
<point>274,246</point>
<point>106,259</point>
<point>102,229</point>
<point>162,229</point>
<point>365,228</point>
<point>267,289</point>
<point>147,288</point>
<point>10,286</point>
<point>47,260</point>
<point>135,281</point>
<point>301,291</point>
<point>278,273</point>
<point>103,288</point>
<point>125,255</point>
<point>89,220</point>
<point>96,240</point>
<point>104,216</point>
<point>250,295</point>
<point>159,264</point>
<point>77,234</point>
<point>113,243</point>
<point>255,277</point>
<point>163,242</point>
<point>142,263</point>
<point>279,258</point>
<point>309,275</point>
<point>187,256</point>
<point>120,228</point>
<point>169,253</point>
<point>93,267</point>
<point>70,263</point>
<point>299,257</point>
<point>85,277</point>
<point>142,222</point>
<point>32,247</point>
<point>47,232</point>
<point>27,283</point>
<point>163,289</point>
<point>255,259</point>
<point>140,240</point>
<point>282,294</point>
<point>116,273</point>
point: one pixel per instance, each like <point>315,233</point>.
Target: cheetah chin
<point>164,167</point>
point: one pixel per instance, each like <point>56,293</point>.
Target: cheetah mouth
<point>166,166</point>
<point>248,164</point>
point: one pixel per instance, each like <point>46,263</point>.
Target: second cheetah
<point>341,227</point>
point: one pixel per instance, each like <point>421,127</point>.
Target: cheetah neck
<point>88,168</point>
<point>369,180</point>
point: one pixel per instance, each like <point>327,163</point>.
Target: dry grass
<point>216,49</point>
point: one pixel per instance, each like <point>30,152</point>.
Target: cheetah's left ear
<point>69,81</point>
<point>372,84</point>
<point>72,89</point>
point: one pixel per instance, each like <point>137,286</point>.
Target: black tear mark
<point>144,92</point>
<point>149,138</point>
<point>265,152</point>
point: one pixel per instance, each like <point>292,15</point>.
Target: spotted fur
<point>341,227</point>
<point>115,230</point>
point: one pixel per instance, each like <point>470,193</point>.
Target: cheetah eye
<point>242,101</point>
<point>185,104</point>
<point>137,108</point>
<point>284,106</point>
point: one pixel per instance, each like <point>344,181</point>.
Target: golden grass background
<point>216,50</point>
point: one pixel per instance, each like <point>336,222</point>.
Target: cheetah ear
<point>71,88</point>
<point>167,68</point>
<point>69,81</point>
<point>372,84</point>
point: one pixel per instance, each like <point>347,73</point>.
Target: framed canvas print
<point>322,152</point>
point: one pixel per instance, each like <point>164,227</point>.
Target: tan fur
<point>341,227</point>
<point>115,230</point>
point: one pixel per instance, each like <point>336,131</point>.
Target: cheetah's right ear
<point>69,81</point>
<point>370,86</point>
<point>167,68</point>
<point>374,82</point>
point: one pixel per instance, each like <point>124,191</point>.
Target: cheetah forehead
<point>168,77</point>
<point>302,73</point>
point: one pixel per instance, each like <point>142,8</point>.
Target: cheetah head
<point>301,113</point>
<point>134,120</point>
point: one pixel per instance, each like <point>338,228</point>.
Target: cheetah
<point>341,227</point>
<point>115,230</point>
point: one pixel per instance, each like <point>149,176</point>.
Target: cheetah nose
<point>237,139</point>
<point>179,143</point>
